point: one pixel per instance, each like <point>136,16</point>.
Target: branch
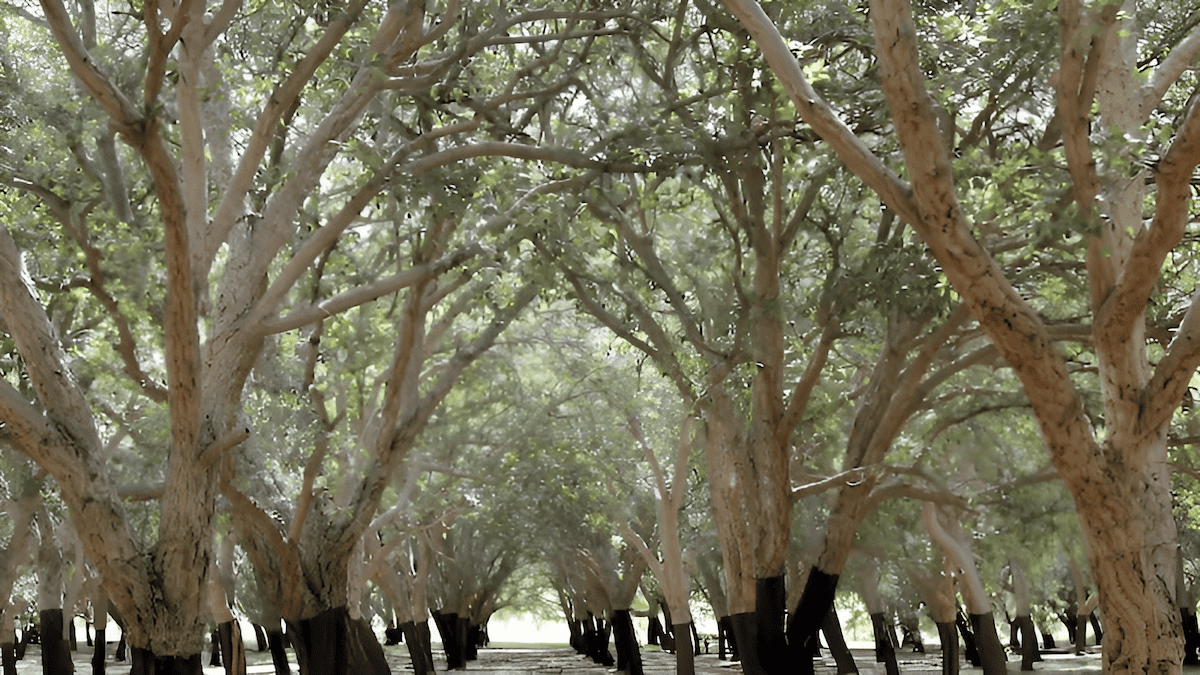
<point>1169,71</point>
<point>118,107</point>
<point>1150,248</point>
<point>817,113</point>
<point>368,292</point>
<point>276,105</point>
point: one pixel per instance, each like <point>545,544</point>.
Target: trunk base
<point>331,643</point>
<point>146,663</point>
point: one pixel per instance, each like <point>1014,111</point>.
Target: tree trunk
<point>885,648</point>
<point>1029,645</point>
<point>991,653</point>
<point>56,651</point>
<point>725,643</point>
<point>145,663</point>
<point>233,650</point>
<point>331,643</point>
<point>1191,637</point>
<point>685,661</point>
<point>1081,622</point>
<point>832,628</point>
<point>214,659</point>
<point>276,643</point>
<point>629,657</point>
<point>8,658</point>
<point>745,635</point>
<point>260,637</point>
<point>653,630</point>
<point>1047,641</point>
<point>577,641</point>
<point>949,639</point>
<point>970,650</point>
<point>770,600</point>
<point>99,651</point>
<point>452,641</point>
<point>122,645</point>
<point>419,648</point>
<point>815,602</point>
<point>1095,621</point>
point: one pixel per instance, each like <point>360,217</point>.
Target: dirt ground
<point>514,661</point>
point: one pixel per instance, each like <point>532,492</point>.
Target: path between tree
<point>565,661</point>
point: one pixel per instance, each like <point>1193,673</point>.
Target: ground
<point>564,661</point>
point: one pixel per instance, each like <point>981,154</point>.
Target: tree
<point>1117,476</point>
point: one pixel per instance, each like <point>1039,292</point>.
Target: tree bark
<point>331,643</point>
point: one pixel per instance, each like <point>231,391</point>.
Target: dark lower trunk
<point>885,647</point>
<point>695,640</point>
<point>1191,637</point>
<point>1048,641</point>
<point>832,628</point>
<point>814,604</point>
<point>119,654</point>
<point>685,660</point>
<point>87,633</point>
<point>577,642</point>
<point>26,634</point>
<point>146,663</point>
<point>476,638</point>
<point>653,630</point>
<point>277,644</point>
<point>419,648</point>
<point>970,651</point>
<point>770,605</point>
<point>1029,646</point>
<point>629,657</point>
<point>991,653</point>
<point>8,658</point>
<point>392,635</point>
<point>596,632</point>
<point>1081,622</point>
<point>71,633</point>
<point>331,643</point>
<point>215,659</point>
<point>462,634</point>
<point>452,639</point>
<point>260,637</point>
<point>911,634</point>
<point>98,652</point>
<point>949,639</point>
<point>745,632</point>
<point>233,650</point>
<point>726,645</point>
<point>56,652</point>
<point>1068,620</point>
<point>1095,621</point>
